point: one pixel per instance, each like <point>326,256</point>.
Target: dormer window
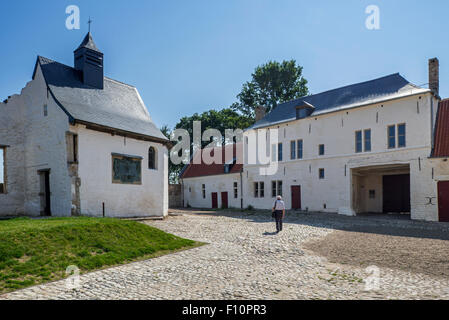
<point>303,110</point>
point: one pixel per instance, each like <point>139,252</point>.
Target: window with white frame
<point>299,145</point>
<point>259,189</point>
<point>400,140</point>
<point>363,140</point>
<point>276,188</point>
<point>236,190</point>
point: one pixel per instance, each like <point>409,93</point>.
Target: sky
<point>192,56</point>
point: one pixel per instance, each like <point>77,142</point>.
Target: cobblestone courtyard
<point>244,259</point>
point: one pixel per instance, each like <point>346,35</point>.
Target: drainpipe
<point>182,192</point>
<point>241,190</point>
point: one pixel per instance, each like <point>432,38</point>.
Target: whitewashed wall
<point>222,183</point>
<point>95,171</point>
<point>337,131</point>
<point>37,142</point>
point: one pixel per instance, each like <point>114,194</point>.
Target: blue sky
<point>191,56</point>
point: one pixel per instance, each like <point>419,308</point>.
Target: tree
<point>271,84</point>
<point>212,119</point>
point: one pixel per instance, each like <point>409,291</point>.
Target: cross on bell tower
<point>89,23</point>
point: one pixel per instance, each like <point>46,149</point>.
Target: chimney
<point>434,76</point>
<point>260,112</point>
<point>89,61</point>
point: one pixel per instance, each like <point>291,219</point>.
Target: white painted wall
<point>36,142</point>
<point>39,142</point>
<point>95,170</point>
<point>337,131</point>
<point>220,183</point>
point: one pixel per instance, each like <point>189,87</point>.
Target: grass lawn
<point>36,251</point>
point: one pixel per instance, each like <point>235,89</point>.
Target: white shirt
<point>279,205</point>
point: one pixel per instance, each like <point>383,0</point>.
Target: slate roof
<point>355,95</point>
<point>89,43</point>
<point>117,106</point>
<point>202,169</point>
<point>441,145</point>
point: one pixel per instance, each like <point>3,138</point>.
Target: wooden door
<point>214,200</point>
<point>45,192</point>
<point>296,197</point>
<point>396,193</point>
<point>224,200</point>
<point>443,201</point>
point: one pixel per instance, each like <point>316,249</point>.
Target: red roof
<point>197,167</point>
<point>441,147</point>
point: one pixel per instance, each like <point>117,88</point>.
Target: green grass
<point>36,251</point>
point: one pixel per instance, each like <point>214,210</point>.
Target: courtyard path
<point>245,260</point>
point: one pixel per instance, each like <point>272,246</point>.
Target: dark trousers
<point>278,217</point>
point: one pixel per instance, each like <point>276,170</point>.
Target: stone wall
<point>175,196</point>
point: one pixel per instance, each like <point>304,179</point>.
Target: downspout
<point>241,189</point>
<point>182,192</point>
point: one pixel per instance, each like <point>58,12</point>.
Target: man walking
<point>279,213</point>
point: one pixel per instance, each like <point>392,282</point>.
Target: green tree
<point>271,84</point>
<point>212,119</point>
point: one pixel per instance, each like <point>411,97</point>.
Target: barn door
<point>214,200</point>
<point>396,193</point>
<point>296,197</point>
<point>443,201</point>
<point>224,200</point>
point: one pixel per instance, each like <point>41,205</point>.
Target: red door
<point>224,200</point>
<point>214,200</point>
<point>296,197</point>
<point>443,201</point>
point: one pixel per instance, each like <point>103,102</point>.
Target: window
<point>358,141</point>
<point>152,158</point>
<point>366,143</point>
<point>72,147</point>
<point>45,110</point>
<point>126,169</point>
<point>203,189</point>
<point>280,151</point>
<point>372,194</point>
<point>299,145</point>
<point>391,137</point>
<point>367,137</point>
<point>321,173</point>
<point>401,135</point>
<point>236,190</point>
<point>279,188</point>
<point>292,150</point>
<point>2,170</point>
<point>321,149</point>
<point>401,142</point>
<point>258,189</point>
<point>276,188</point>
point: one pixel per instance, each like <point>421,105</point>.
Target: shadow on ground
<point>392,225</point>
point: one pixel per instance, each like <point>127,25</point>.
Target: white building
<point>216,185</point>
<point>363,148</point>
<point>75,142</point>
